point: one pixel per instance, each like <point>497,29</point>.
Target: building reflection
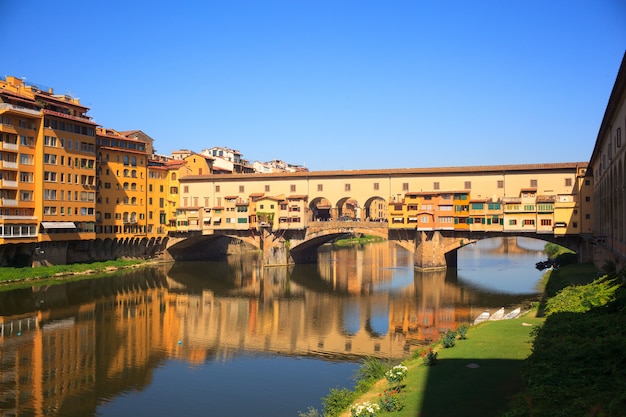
<point>66,348</point>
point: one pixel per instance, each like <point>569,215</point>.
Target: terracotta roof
<point>395,172</point>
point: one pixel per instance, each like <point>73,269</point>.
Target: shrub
<point>449,339</point>
<point>337,401</point>
<point>429,357</point>
<point>396,375</point>
<point>391,400</point>
<point>372,368</point>
<point>582,298</point>
<point>310,412</point>
<point>462,332</point>
<point>364,409</point>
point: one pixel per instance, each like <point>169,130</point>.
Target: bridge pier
<point>430,251</point>
<point>275,252</point>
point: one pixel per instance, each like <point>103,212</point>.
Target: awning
<point>58,225</point>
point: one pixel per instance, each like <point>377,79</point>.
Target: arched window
<point>125,159</point>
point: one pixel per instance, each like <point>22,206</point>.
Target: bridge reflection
<point>62,344</point>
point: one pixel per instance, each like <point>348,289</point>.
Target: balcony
<point>8,184</point>
<point>7,106</point>
<point>7,217</point>
<point>8,165</point>
<point>8,202</point>
<point>7,146</point>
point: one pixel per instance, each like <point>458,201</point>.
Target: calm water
<point>233,338</point>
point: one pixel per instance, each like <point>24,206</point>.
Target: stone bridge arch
<point>204,247</point>
<point>304,250</point>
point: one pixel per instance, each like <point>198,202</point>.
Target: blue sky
<point>333,84</point>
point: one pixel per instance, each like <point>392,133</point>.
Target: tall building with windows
<point>48,147</point>
<point>122,186</point>
<point>20,122</point>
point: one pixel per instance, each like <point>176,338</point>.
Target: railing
<point>8,184</point>
<point>8,164</point>
<point>8,106</point>
<point>9,146</point>
<point>9,202</point>
<point>5,217</point>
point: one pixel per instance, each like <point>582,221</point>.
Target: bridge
<point>430,211</point>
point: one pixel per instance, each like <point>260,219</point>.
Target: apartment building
<point>20,122</point>
<point>49,149</point>
<point>122,186</point>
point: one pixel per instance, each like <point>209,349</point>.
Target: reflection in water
<point>191,338</point>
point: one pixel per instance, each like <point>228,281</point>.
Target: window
<point>50,141</point>
<point>241,189</point>
<point>468,185</point>
<point>50,176</point>
<point>49,159</point>
<point>320,187</point>
<point>186,189</point>
<point>26,159</point>
<point>546,222</point>
<point>292,188</point>
<point>500,183</point>
<point>267,188</point>
<point>618,137</point>
<point>376,186</point>
<point>217,188</point>
<point>49,194</point>
<point>529,222</point>
<point>568,182</point>
<point>347,187</point>
<point>533,183</point>
<point>405,186</point>
<point>436,185</point>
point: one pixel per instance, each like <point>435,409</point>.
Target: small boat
<point>497,315</point>
<point>484,316</point>
<point>513,314</point>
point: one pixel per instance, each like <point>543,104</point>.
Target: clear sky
<point>333,84</point>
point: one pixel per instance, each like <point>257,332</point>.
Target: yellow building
<point>20,121</point>
<point>48,148</point>
<point>122,186</point>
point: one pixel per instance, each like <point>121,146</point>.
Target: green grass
<point>12,278</point>
<point>358,241</point>
<point>450,388</point>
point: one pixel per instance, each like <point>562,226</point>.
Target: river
<point>233,338</point>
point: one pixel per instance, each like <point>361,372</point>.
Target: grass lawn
<point>495,351</point>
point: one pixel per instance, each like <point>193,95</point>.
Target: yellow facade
<point>19,128</point>
<point>122,186</point>
<point>56,169</point>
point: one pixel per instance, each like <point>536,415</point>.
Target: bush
<point>391,400</point>
<point>449,339</point>
<point>310,412</point>
<point>462,332</point>
<point>337,401</point>
<point>582,298</point>
<point>429,357</point>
